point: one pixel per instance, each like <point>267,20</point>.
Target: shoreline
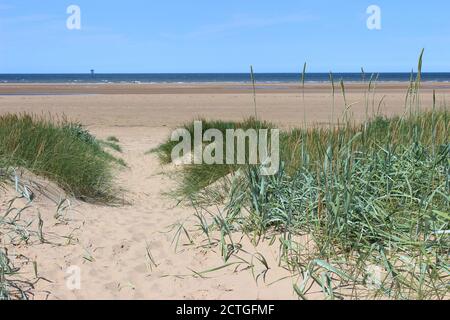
<point>43,89</point>
<point>107,106</point>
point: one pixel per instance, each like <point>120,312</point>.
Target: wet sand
<point>169,105</point>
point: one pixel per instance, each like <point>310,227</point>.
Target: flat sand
<point>146,105</point>
<point>110,245</point>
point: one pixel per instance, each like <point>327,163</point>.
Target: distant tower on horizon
<point>92,73</point>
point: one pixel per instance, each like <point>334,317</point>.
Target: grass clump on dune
<point>164,150</point>
<point>196,178</point>
<point>358,210</point>
<point>374,196</point>
<point>61,151</point>
<point>374,205</point>
<point>313,146</point>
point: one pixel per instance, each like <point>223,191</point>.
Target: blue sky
<point>222,36</point>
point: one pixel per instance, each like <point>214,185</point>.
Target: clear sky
<point>222,36</point>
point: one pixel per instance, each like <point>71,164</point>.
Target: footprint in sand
<point>121,248</point>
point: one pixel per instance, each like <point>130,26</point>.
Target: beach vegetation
<point>360,210</point>
<point>62,151</point>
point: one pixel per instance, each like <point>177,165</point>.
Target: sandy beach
<point>136,105</point>
<point>111,244</point>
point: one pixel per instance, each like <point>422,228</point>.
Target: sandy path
<point>111,250</point>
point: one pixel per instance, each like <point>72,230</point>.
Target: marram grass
<point>61,151</point>
<point>314,146</point>
<point>373,197</point>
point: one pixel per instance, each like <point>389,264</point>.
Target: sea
<point>173,78</point>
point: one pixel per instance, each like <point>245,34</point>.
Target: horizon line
<point>175,73</point>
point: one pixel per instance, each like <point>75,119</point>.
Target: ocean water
<point>211,77</point>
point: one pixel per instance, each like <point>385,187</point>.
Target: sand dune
<point>109,244</point>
